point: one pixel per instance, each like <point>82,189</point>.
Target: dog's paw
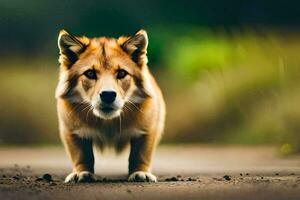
<point>80,177</point>
<point>140,176</point>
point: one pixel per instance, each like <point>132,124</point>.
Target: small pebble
<point>47,177</point>
<point>172,179</point>
<point>227,177</point>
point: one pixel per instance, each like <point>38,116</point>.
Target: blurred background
<point>229,70</point>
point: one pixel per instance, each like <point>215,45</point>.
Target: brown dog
<point>107,97</point>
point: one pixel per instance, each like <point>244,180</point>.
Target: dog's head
<point>104,73</point>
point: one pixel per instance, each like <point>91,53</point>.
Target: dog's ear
<point>70,47</point>
<point>136,47</point>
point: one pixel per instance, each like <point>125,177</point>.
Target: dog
<point>108,98</point>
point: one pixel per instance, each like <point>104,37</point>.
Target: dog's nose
<point>108,96</point>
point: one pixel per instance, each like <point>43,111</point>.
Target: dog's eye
<point>121,74</point>
<point>91,74</point>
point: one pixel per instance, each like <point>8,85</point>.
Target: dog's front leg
<point>140,157</point>
<point>81,153</point>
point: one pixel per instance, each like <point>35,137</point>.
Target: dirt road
<point>184,172</point>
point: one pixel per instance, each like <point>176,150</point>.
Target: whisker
<point>135,106</point>
<point>127,107</point>
<point>120,123</point>
<point>87,114</point>
<point>88,106</point>
<point>73,110</point>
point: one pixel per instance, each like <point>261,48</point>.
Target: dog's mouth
<point>107,109</point>
<point>106,112</point>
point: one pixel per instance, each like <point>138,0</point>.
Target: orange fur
<point>138,113</point>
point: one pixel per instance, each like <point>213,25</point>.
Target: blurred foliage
<point>196,51</point>
<point>243,88</point>
<point>229,69</point>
